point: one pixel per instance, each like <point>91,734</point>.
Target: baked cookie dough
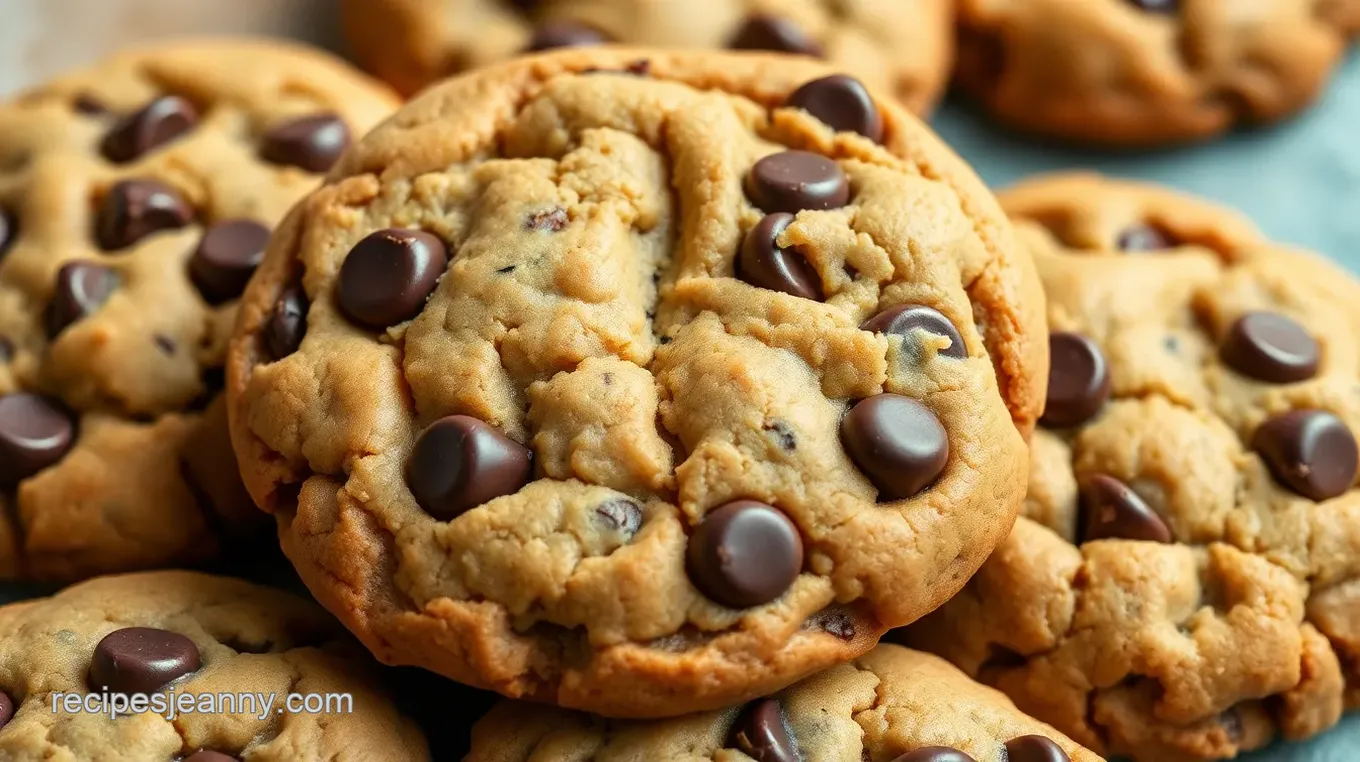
<point>889,705</point>
<point>135,201</point>
<point>1148,72</point>
<point>176,635</point>
<point>620,380</point>
<point>903,48</point>
<point>1185,584</point>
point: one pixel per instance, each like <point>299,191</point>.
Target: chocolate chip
<point>164,343</point>
<point>762,733</point>
<point>89,105</point>
<point>551,220</point>
<point>903,319</point>
<point>620,515</point>
<point>783,432</point>
<point>897,442</point>
<point>1142,237</point>
<point>205,755</point>
<point>134,209</point>
<point>842,103</point>
<point>6,349</point>
<point>141,660</point>
<point>762,263</point>
<point>226,257</point>
<point>157,123</point>
<point>935,754</point>
<point>791,181</point>
<point>287,322</point>
<point>6,709</point>
<point>388,276</point>
<point>762,31</point>
<point>564,34</point>
<point>1310,451</point>
<point>1035,749</point>
<point>9,230</point>
<point>834,622</point>
<point>1111,510</point>
<point>81,288</point>
<point>1078,381</point>
<point>313,143</point>
<point>459,463</point>
<point>1157,6</point>
<point>1271,348</point>
<point>35,432</point>
<point>744,554</point>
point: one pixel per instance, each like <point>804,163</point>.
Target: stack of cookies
<point>651,388</point>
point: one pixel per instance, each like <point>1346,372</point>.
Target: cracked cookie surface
<point>903,48</point>
<point>1184,582</point>
<point>135,201</point>
<point>525,419</point>
<point>1145,72</point>
<point>889,705</point>
<point>189,634</point>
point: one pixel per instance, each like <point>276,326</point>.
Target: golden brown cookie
<point>1185,582</point>
<point>1148,72</point>
<point>639,393</point>
<point>300,689</point>
<point>135,201</point>
<point>891,704</point>
<point>903,48</point>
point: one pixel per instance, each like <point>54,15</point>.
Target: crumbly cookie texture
<point>184,633</point>
<point>135,201</point>
<point>903,48</point>
<point>889,705</point>
<point>642,393</point>
<point>1149,72</point>
<point>1185,581</point>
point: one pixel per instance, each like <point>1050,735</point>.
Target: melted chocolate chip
<point>6,709</point>
<point>1309,451</point>
<point>551,220</point>
<point>551,35</point>
<point>459,463</point>
<point>897,442</point>
<point>226,257</point>
<point>141,660</point>
<point>935,754</point>
<point>134,209</point>
<point>744,554</point>
<point>791,181</point>
<point>1271,348</point>
<point>841,103</point>
<point>765,32</point>
<point>1111,510</point>
<point>35,433</point>
<point>287,322</point>
<point>762,733</point>
<point>81,288</point>
<point>312,143</point>
<point>1078,381</point>
<point>762,263</point>
<point>388,275</point>
<point>159,122</point>
<point>1035,749</point>
<point>620,515</point>
<point>904,319</point>
<point>206,755</point>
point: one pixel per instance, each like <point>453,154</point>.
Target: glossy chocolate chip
<point>157,123</point>
<point>80,289</point>
<point>226,257</point>
<point>313,143</point>
<point>744,554</point>
<point>842,103</point>
<point>1270,347</point>
<point>206,755</point>
<point>1035,749</point>
<point>935,754</point>
<point>551,35</point>
<point>134,209</point>
<point>1112,510</point>
<point>765,32</point>
<point>35,432</point>
<point>388,276</point>
<point>620,515</point>
<point>141,660</point>
<point>9,230</point>
<point>1156,6</point>
<point>791,181</point>
<point>763,264</point>
<point>1142,237</point>
<point>1078,381</point>
<point>1309,451</point>
<point>762,733</point>
<point>287,323</point>
<point>904,319</point>
<point>460,463</point>
<point>897,442</point>
<point>6,709</point>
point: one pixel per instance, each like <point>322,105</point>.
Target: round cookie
<point>1185,580</point>
<point>890,704</point>
<point>135,201</point>
<point>1148,72</point>
<point>180,634</point>
<point>903,48</point>
<point>559,387</point>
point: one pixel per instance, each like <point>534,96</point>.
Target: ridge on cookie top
<point>1182,583</point>
<point>639,382</point>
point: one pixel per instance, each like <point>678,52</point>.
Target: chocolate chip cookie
<point>183,638</point>
<point>135,201</point>
<point>904,48</point>
<point>1149,72</point>
<point>1185,582</point>
<point>639,393</point>
<point>890,704</point>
